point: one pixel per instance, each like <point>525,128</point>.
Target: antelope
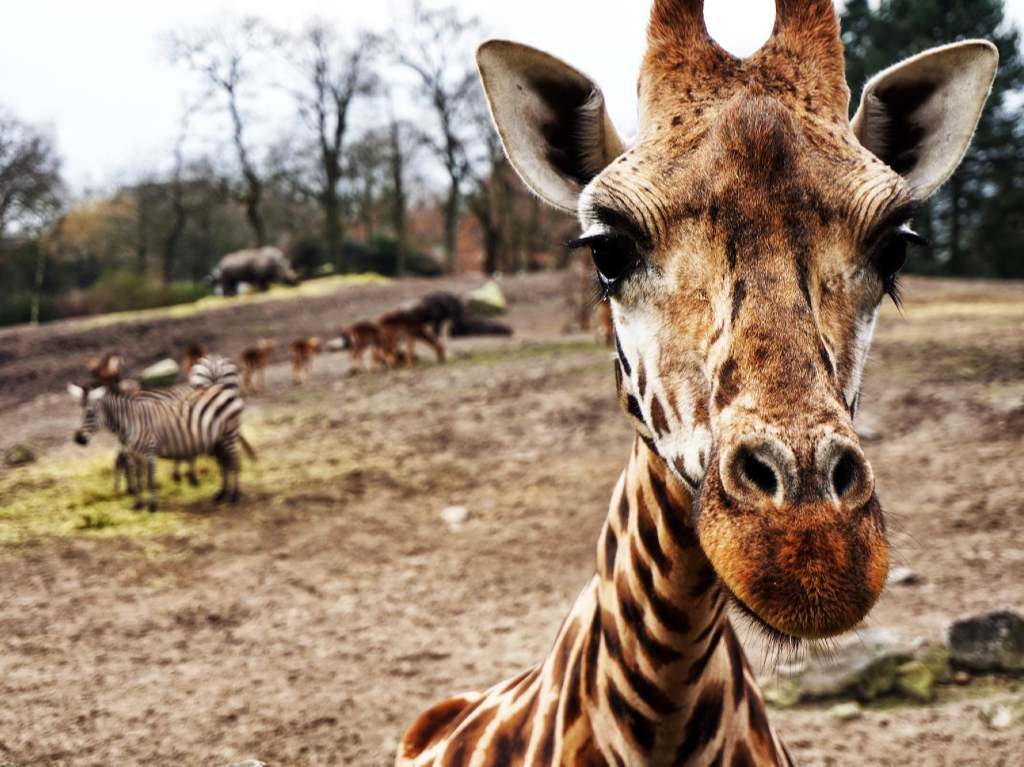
<point>301,351</point>
<point>744,242</point>
<point>254,364</point>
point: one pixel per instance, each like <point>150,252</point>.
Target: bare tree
<point>399,149</point>
<point>30,188</point>
<point>336,75</point>
<point>221,56</point>
<point>30,183</point>
<point>436,47</point>
<point>176,194</point>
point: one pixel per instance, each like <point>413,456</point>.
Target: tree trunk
<point>451,226</point>
<point>334,234</point>
<point>956,265</point>
<point>142,233</point>
<point>37,285</point>
<point>492,248</point>
<point>398,214</point>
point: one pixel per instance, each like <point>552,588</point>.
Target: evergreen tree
<point>976,221</point>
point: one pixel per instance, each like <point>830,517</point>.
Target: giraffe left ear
<point>551,119</point>
<point>919,116</point>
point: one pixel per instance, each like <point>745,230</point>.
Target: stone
<point>781,693</point>
<point>902,576</point>
<point>1003,716</point>
<point>961,678</point>
<point>454,516</point>
<point>865,667</point>
<point>487,299</point>
<point>846,712</point>
<point>335,345</point>
<point>160,374</point>
<point>990,642</point>
<point>249,763</point>
<point>914,680</point>
<point>19,455</point>
<point>936,658</point>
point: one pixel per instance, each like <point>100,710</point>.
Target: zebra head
<point>89,399</point>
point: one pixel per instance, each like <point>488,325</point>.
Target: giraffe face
<point>745,241</point>
<point>743,318</point>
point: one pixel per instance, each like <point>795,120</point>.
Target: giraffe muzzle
<point>798,537</point>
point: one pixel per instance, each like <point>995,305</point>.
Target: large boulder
<point>990,642</point>
<point>487,299</point>
<point>160,374</point>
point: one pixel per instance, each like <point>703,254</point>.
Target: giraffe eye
<point>892,256</point>
<point>615,256</point>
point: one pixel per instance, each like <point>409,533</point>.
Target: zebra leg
<point>176,475</point>
<point>227,456</point>
<point>150,471</point>
<point>135,465</point>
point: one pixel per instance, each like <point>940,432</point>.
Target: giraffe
<point>744,240</point>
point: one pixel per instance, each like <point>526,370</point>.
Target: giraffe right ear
<point>551,119</point>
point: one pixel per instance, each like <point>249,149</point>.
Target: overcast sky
<point>96,73</point>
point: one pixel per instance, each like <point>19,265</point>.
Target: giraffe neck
<point>645,671</point>
<point>663,677</point>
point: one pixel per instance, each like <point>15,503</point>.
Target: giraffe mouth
<point>805,571</point>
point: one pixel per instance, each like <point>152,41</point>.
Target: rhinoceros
<point>256,266</point>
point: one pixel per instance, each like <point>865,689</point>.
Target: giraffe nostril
<point>844,474</point>
<point>757,472</point>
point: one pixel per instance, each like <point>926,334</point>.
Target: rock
<point>989,642</point>
<point>961,678</point>
<point>902,576</point>
<point>916,681</point>
<point>335,345</point>
<point>19,455</point>
<point>454,516</point>
<point>936,658</point>
<point>865,667</point>
<point>846,712</point>
<point>487,299</point>
<point>781,693</point>
<point>1003,716</point>
<point>160,374</point>
<point>249,763</point>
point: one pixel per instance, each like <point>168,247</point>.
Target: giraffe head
<point>745,240</point>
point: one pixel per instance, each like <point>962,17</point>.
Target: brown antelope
<point>301,351</point>
<point>254,364</point>
<point>190,356</point>
<point>401,329</point>
<point>744,242</point>
<point>359,338</point>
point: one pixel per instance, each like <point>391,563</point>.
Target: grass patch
<point>76,498</point>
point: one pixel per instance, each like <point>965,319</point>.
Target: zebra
<point>214,369</point>
<point>208,370</point>
<point>204,421</point>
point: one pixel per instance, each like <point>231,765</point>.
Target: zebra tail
<point>247,448</point>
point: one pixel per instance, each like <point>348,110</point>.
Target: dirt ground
<point>310,623</point>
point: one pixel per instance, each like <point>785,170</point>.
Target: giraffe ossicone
<point>745,240</point>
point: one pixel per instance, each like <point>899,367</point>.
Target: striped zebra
<point>214,369</point>
<point>123,463</point>
<point>208,370</point>
<point>204,421</point>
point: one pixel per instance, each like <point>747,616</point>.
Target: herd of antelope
<point>202,415</point>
